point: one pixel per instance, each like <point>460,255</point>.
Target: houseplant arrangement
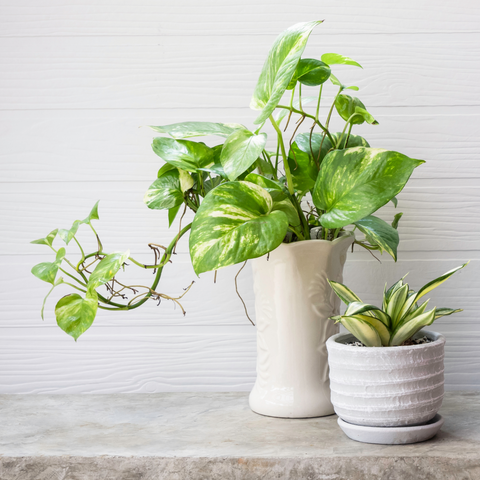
<point>400,383</point>
<point>294,202</point>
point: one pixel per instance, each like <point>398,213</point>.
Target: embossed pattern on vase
<point>293,302</point>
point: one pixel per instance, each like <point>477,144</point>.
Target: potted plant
<point>399,384</point>
<point>288,209</point>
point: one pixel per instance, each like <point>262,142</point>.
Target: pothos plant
<point>246,199</point>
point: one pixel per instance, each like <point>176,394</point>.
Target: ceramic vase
<point>293,303</point>
<point>386,386</point>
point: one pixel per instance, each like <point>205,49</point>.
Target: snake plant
<point>399,318</point>
<point>247,198</point>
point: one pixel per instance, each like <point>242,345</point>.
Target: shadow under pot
<point>386,386</point>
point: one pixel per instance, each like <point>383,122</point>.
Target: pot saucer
<point>392,435</point>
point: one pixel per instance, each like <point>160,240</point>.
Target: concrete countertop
<point>214,436</point>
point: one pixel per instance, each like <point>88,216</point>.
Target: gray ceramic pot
<point>386,386</point>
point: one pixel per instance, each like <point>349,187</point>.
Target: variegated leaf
<point>240,151</point>
<point>76,314</point>
<point>362,330</point>
<point>438,281</point>
<point>197,129</point>
<point>380,233</point>
<point>234,223</point>
<point>107,268</point>
<point>378,325</point>
<point>48,240</point>
<point>279,68</point>
<point>443,312</point>
<point>407,329</point>
<point>395,304</point>
<point>355,182</point>
<point>344,293</point>
<point>183,154</point>
<point>337,59</point>
<point>167,191</point>
<point>356,308</point>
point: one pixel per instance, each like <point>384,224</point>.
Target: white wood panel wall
<point>77,79</point>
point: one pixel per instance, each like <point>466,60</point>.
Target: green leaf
<point>183,154</point>
<point>395,203</point>
<point>172,213</point>
<point>410,328</point>
<point>303,169</point>
<point>211,184</point>
<point>356,308</point>
<point>379,232</point>
<point>355,182</point>
<point>234,223</point>
<point>93,215</point>
<point>362,330</point>
<point>165,192</point>
<point>216,168</point>
<point>396,303</point>
<point>58,282</point>
<point>240,151</point>
<point>47,271</point>
<point>336,59</point>
<point>48,240</point>
<point>396,219</point>
<point>415,312</point>
<point>279,68</point>
<point>377,325</point>
<point>346,107</point>
<point>310,72</point>
<point>288,209</point>
<point>197,129</point>
<point>275,189</point>
<point>165,168</point>
<point>337,82</point>
<point>67,235</point>
<point>438,281</point>
<point>76,314</point>
<point>366,116</point>
<point>344,293</point>
<point>107,269</point>
<point>443,312</point>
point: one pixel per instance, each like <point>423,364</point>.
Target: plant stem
<point>312,117</point>
<point>303,220</point>
<point>73,286</point>
<point>327,123</point>
<point>318,103</point>
<point>284,155</point>
<point>300,96</point>
<point>296,232</point>
<point>164,261</point>
<point>345,128</point>
<point>74,278</point>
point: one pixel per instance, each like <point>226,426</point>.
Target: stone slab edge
<point>180,468</point>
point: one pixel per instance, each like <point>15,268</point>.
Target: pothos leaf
<point>107,269</point>
<point>76,314</point>
<point>336,59</point>
<point>240,151</point>
<point>183,154</point>
<point>279,68</point>
<point>48,240</point>
<point>355,182</point>
<point>234,223</point>
<point>380,233</point>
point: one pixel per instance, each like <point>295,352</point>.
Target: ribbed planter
<point>293,301</point>
<point>386,386</point>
